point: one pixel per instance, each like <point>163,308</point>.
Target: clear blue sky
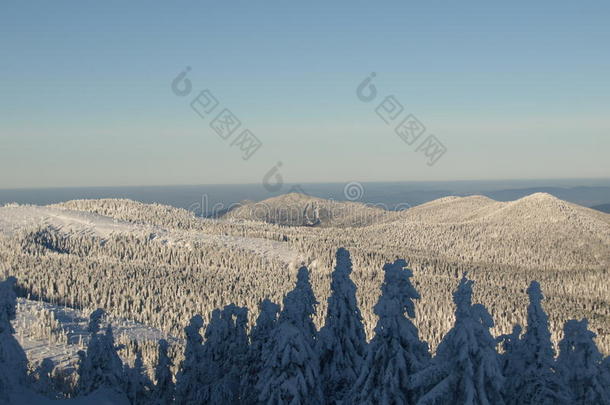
<point>514,90</point>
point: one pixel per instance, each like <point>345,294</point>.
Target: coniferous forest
<point>283,358</point>
<point>304,203</point>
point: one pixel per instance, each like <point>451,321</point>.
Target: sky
<point>509,91</point>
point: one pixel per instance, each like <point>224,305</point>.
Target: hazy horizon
<point>569,181</point>
<point>391,195</point>
<point>91,94</point>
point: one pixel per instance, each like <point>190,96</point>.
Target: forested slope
<point>160,265</point>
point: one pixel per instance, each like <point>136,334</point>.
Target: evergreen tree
<point>13,362</point>
<point>531,378</point>
<point>164,387</point>
<point>224,353</point>
<point>290,373</point>
<point>138,384</point>
<point>260,336</point>
<point>189,380</point>
<point>302,297</point>
<point>342,340</point>
<point>466,369</point>
<point>510,343</point>
<point>580,365</point>
<point>100,366</point>
<point>396,352</point>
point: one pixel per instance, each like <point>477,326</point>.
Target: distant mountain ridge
<point>585,192</point>
<point>301,210</point>
<point>581,195</point>
<point>538,228</point>
<point>602,207</point>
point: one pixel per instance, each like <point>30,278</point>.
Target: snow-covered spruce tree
<point>13,362</point>
<point>580,365</point>
<point>466,369</point>
<point>164,387</point>
<point>138,384</point>
<point>342,340</point>
<point>189,379</point>
<point>100,366</point>
<point>395,352</point>
<point>303,297</point>
<point>260,337</point>
<point>290,373</point>
<point>225,353</point>
<point>510,343</point>
<point>530,375</point>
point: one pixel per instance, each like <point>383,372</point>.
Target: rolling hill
<point>159,265</point>
<point>538,230</point>
<point>302,210</point>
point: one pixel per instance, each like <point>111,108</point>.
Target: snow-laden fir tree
<point>580,365</point>
<point>290,373</point>
<point>530,362</point>
<point>211,373</point>
<point>13,362</point>
<point>138,384</point>
<point>163,392</point>
<point>100,366</point>
<point>225,354</point>
<point>342,340</point>
<point>189,379</point>
<point>260,337</point>
<point>510,343</point>
<point>466,369</point>
<point>303,297</point>
<point>395,352</point>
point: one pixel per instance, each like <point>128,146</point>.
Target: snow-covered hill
<point>19,218</point>
<point>302,210</point>
<point>535,230</point>
<point>159,265</point>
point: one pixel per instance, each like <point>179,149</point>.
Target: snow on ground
<point>14,218</point>
<point>35,337</point>
<point>74,323</point>
<point>17,217</point>
<point>263,247</point>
